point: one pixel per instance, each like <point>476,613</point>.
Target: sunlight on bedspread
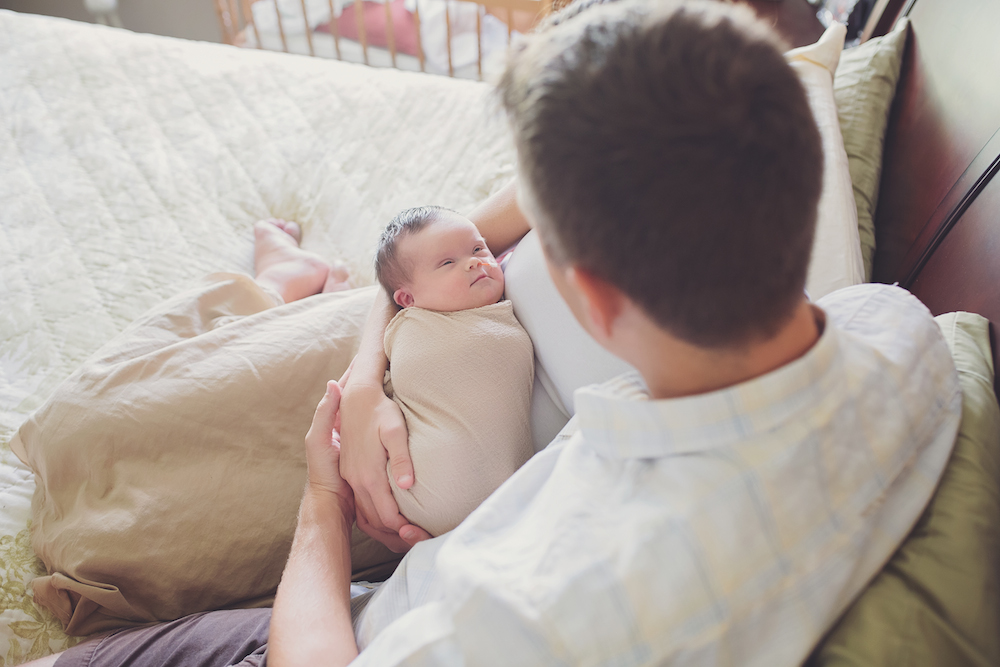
<point>131,165</point>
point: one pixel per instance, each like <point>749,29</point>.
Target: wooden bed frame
<point>938,217</point>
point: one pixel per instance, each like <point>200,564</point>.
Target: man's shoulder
<point>873,306</point>
<point>889,320</point>
<point>896,363</point>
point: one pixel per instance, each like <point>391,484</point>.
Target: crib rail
<point>294,26</point>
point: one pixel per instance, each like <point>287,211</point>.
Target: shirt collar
<point>620,420</point>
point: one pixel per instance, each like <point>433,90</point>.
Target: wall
<point>190,19</point>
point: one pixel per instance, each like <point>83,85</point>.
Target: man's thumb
<point>398,448</point>
<point>328,408</point>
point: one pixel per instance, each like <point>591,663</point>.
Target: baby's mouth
<point>484,275</point>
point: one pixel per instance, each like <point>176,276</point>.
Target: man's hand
<point>323,453</point>
<point>311,621</point>
<point>374,431</point>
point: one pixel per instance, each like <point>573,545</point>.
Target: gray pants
<point>235,638</point>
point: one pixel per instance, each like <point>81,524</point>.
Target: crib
<point>457,38</point>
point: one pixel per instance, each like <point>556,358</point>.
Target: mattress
<point>131,165</point>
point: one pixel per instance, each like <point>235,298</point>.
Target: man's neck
<point>673,368</point>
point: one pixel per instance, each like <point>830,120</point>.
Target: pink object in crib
<point>404,27</point>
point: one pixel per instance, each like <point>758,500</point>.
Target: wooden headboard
<point>938,217</point>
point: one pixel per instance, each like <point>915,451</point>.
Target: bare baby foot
<point>283,266</point>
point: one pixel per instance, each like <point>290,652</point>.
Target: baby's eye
<point>479,248</point>
<point>447,262</point>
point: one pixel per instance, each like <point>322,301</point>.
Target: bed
<point>130,165</point>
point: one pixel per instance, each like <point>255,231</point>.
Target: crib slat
<point>234,19</point>
<point>281,27</point>
<point>309,34</point>
<point>479,41</point>
<point>248,16</point>
<point>334,30</point>
<point>225,23</point>
<point>390,33</point>
<point>420,40</point>
<point>447,23</point>
<point>359,15</point>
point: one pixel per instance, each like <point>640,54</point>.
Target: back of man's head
<point>670,151</point>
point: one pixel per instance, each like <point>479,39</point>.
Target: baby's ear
<point>402,298</point>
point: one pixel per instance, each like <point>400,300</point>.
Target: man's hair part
<point>671,151</point>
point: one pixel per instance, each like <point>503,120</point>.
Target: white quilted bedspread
<point>131,165</point>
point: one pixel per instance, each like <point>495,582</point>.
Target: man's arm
<point>372,426</point>
<point>311,622</point>
<point>500,220</point>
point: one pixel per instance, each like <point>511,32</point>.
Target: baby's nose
<point>476,262</point>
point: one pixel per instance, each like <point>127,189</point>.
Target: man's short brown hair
<point>671,151</point>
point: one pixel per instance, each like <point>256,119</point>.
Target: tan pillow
<point>170,466</point>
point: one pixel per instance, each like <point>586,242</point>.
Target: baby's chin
<point>480,298</point>
<point>487,298</point>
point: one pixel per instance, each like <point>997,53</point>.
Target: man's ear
<point>602,300</point>
<point>402,298</point>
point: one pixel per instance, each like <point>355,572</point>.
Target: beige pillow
<point>863,87</point>
<point>170,466</point>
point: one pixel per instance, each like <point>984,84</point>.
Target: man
<point>726,504</point>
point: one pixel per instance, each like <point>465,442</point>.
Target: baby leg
<point>281,265</point>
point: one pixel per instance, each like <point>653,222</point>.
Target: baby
<point>461,366</point>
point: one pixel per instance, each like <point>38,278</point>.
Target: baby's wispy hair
<point>390,269</point>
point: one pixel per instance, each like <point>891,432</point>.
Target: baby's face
<point>450,267</point>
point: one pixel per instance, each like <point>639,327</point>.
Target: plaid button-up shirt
<point>731,527</point>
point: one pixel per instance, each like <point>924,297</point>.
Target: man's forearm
<point>499,219</point>
<point>311,622</point>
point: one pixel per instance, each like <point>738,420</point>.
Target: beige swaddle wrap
<point>463,381</point>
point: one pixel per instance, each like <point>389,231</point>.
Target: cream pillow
<point>836,257</point>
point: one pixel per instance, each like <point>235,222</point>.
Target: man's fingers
<point>366,508</point>
<point>396,442</point>
<point>326,413</point>
<point>385,505</point>
<point>412,534</point>
<point>389,538</point>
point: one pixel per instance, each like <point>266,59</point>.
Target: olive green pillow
<point>937,601</point>
<point>863,87</point>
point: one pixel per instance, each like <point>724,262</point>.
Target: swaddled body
<point>463,382</point>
